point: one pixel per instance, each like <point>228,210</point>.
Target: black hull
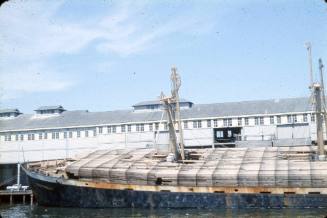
<point>48,192</point>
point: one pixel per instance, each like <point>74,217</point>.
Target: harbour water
<point>21,211</point>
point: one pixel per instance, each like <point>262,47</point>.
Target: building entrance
<point>226,136</point>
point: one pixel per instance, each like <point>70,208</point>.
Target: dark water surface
<point>47,212</point>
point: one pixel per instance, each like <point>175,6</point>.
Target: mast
<point>170,122</point>
<point>318,94</point>
<point>321,67</point>
<point>176,80</point>
<point>308,45</point>
<point>320,138</point>
<point>172,108</point>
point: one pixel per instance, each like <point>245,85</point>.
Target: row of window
<point>69,134</point>
<point>138,128</point>
<point>257,121</point>
<point>155,127</point>
<point>48,135</point>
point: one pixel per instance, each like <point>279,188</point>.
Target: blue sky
<point>107,55</point>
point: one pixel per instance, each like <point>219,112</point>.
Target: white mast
<point>167,101</point>
<point>172,108</point>
<point>176,80</point>
<point>320,138</point>
<point>308,45</point>
<point>317,92</point>
<point>322,82</point>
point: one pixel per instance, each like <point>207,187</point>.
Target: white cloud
<point>34,78</point>
<point>31,33</point>
<point>34,31</point>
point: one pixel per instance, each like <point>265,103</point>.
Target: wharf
<point>16,196</point>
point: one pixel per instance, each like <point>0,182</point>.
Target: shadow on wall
<point>8,175</point>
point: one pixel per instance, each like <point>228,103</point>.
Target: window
<point>86,133</point>
<point>78,134</point>
<point>289,118</point>
<point>239,121</point>
<point>53,136</point>
<point>137,127</point>
<point>114,129</point>
<point>166,126</point>
<point>65,135</point>
<point>305,118</point>
<point>129,128</point>
<point>150,127</point>
<point>197,124</point>
<point>100,130</point>
<point>246,121</point>
<point>142,127</point>
<point>7,137</point>
<point>45,135</point>
<point>215,123</point>
<point>262,121</point>
<point>16,137</point>
<point>123,128</point>
<point>228,122</point>
<point>30,136</point>
<point>152,107</point>
<point>256,121</point>
<point>294,118</point>
<point>272,120</point>
<point>70,134</point>
<point>157,126</point>
<point>108,129</point>
<point>57,135</point>
<point>94,132</point>
<point>40,136</point>
<point>208,123</point>
<point>225,122</point>
<point>185,124</point>
<point>279,119</point>
<point>313,118</point>
<point>220,134</point>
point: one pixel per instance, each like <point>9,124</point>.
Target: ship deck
<point>274,167</point>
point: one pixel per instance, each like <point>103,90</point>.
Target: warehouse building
<point>54,132</point>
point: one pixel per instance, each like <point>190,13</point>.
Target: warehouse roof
<point>44,108</point>
<point>85,118</point>
<point>9,110</point>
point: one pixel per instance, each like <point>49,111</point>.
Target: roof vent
<point>157,105</point>
<point>50,110</point>
<point>9,112</point>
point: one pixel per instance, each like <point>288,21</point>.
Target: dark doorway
<point>226,136</point>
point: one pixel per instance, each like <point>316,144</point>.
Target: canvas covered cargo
<point>228,167</point>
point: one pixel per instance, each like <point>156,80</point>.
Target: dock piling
<point>16,196</point>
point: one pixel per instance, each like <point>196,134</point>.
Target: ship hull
<point>50,192</point>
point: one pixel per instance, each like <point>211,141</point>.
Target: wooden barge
<point>211,178</point>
